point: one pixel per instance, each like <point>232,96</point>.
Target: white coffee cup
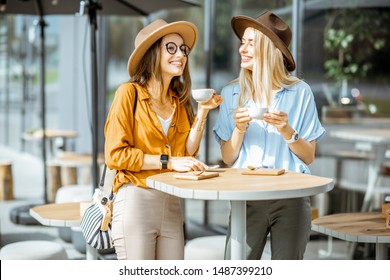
<point>202,94</point>
<point>257,112</point>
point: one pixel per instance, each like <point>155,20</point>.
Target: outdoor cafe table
<point>61,215</point>
<point>357,227</point>
<point>380,141</point>
<point>233,186</point>
<point>51,135</point>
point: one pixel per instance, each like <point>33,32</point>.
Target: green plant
<point>351,37</point>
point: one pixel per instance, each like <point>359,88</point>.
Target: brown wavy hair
<point>150,67</point>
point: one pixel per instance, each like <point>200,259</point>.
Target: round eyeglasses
<point>172,48</point>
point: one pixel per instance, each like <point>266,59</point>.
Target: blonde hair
<point>268,71</point>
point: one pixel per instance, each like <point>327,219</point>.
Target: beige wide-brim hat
<point>156,30</point>
<point>273,27</point>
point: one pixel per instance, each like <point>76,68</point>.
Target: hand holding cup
<point>202,95</point>
<point>257,112</point>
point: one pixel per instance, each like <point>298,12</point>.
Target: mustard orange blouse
<point>127,140</point>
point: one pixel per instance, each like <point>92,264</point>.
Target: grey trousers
<point>287,221</point>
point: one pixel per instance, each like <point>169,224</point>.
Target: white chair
<point>205,248</point>
<point>33,250</point>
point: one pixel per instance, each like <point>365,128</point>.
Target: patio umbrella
<point>92,8</point>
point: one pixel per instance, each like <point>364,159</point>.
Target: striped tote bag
<point>96,223</point>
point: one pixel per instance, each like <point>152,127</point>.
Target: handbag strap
<point>105,165</point>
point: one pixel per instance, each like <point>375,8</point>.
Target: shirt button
<point>173,124</point>
<point>167,146</point>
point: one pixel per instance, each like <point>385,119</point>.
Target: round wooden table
<point>62,215</point>
<point>238,188</point>
<point>356,227</point>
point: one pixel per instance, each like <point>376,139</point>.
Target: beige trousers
<point>147,225</point>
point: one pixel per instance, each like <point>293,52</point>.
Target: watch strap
<point>294,138</point>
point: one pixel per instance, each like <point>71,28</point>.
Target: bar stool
<point>205,248</point>
<point>6,180</point>
<point>59,176</point>
<point>33,250</point>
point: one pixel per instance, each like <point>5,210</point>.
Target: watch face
<point>296,136</point>
<point>164,161</point>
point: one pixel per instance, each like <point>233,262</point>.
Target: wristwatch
<point>164,161</point>
<point>294,138</point>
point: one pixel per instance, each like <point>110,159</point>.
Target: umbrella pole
<point>93,6</point>
<point>42,25</point>
<point>208,31</point>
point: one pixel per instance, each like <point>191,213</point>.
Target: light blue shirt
<point>263,145</point>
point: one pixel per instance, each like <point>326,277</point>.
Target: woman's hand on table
<point>183,164</point>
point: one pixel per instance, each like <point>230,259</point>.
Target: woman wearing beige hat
<point>285,137</point>
<point>162,135</point>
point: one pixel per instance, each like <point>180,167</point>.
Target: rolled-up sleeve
<point>224,125</point>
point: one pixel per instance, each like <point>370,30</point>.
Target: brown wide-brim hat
<point>273,27</point>
<point>156,30</point>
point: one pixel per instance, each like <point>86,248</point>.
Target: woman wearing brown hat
<point>162,135</point>
<point>285,137</point>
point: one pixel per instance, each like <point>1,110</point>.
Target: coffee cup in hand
<point>257,112</point>
<point>202,94</point>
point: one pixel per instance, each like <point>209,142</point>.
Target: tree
<point>351,38</point>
